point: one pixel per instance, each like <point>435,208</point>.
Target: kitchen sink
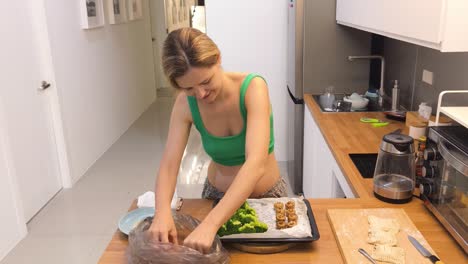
<point>371,107</point>
<point>365,163</point>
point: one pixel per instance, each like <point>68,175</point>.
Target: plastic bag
<point>142,249</point>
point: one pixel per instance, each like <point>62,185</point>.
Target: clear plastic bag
<point>142,249</point>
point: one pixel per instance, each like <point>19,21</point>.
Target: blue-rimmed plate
<point>133,218</point>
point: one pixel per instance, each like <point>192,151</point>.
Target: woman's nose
<point>201,92</point>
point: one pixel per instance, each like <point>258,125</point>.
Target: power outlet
<point>427,77</point>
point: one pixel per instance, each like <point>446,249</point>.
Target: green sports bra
<point>230,150</point>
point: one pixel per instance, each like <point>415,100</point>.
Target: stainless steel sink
<point>371,107</point>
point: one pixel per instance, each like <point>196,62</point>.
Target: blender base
<point>393,201</point>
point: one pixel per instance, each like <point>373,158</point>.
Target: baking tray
<point>313,228</point>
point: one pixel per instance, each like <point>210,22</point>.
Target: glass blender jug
<point>394,175</point>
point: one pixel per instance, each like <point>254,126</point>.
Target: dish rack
<point>458,113</point>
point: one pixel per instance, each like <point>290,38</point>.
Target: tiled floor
<point>77,224</point>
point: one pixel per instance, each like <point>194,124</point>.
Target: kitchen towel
<point>147,200</point>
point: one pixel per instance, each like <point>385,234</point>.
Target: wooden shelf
<point>457,113</point>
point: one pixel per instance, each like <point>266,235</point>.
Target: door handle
<point>44,85</point>
<point>294,99</point>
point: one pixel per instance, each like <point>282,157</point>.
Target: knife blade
<point>424,251</point>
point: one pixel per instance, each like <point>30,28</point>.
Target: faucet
<point>382,70</point>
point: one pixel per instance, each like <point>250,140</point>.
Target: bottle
<point>419,160</point>
<point>395,94</point>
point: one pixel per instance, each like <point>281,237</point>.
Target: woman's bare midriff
<point>221,176</point>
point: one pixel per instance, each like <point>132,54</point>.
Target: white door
<point>24,64</point>
<point>13,227</point>
<point>158,34</point>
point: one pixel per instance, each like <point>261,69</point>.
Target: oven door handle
<point>451,159</point>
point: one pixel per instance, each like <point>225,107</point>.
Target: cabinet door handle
<point>44,85</point>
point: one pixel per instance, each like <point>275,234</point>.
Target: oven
<point>444,186</point>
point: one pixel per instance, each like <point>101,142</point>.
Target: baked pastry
<point>280,217</point>
<point>290,211</point>
<point>291,223</point>
<point>281,211</point>
<point>279,205</point>
<point>281,224</point>
<point>292,217</point>
<point>290,205</point>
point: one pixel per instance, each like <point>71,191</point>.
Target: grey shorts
<point>278,190</point>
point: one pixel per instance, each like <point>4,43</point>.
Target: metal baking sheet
<point>244,238</point>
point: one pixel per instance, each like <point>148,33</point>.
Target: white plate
<point>131,220</point>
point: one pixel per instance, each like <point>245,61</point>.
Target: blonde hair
<point>185,48</point>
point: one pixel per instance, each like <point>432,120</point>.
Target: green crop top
<point>230,150</point>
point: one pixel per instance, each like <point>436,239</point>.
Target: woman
<point>232,112</point>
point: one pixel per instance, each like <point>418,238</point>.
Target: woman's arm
<point>257,141</point>
<point>179,129</point>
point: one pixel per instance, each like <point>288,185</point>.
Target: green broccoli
<point>244,220</point>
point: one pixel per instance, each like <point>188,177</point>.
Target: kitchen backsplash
<point>326,50</point>
<point>405,62</point>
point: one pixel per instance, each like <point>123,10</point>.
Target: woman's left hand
<point>201,238</point>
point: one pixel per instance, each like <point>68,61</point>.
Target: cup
<point>342,106</point>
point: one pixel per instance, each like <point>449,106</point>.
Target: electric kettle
<point>394,174</point>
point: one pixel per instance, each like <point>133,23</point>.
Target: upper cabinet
<point>437,24</point>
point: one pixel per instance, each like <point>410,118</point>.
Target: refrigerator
<point>294,85</point>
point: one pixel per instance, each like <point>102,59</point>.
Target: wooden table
<point>324,250</point>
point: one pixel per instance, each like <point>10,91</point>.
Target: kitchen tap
<point>382,70</point>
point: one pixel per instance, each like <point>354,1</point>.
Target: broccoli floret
<point>247,228</point>
<point>247,209</point>
<point>234,224</point>
<point>222,231</point>
<point>244,220</point>
<point>260,227</point>
<point>247,218</point>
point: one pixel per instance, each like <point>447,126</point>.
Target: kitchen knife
<point>424,251</point>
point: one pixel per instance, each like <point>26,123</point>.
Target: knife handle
<point>435,260</point>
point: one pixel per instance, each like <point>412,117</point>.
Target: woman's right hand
<point>163,228</point>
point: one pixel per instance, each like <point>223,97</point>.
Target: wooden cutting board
<point>350,227</point>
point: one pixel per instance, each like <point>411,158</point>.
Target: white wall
<point>104,76</point>
<point>12,227</point>
<point>252,37</point>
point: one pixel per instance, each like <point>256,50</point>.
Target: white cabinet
<point>322,177</point>
<point>437,24</point>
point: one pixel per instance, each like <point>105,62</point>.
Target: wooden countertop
<point>344,134</point>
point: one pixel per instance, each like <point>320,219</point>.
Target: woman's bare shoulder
<point>181,106</point>
<point>237,77</point>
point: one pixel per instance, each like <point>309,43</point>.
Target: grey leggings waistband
<point>278,190</point>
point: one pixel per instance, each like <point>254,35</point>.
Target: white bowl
<point>357,104</point>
